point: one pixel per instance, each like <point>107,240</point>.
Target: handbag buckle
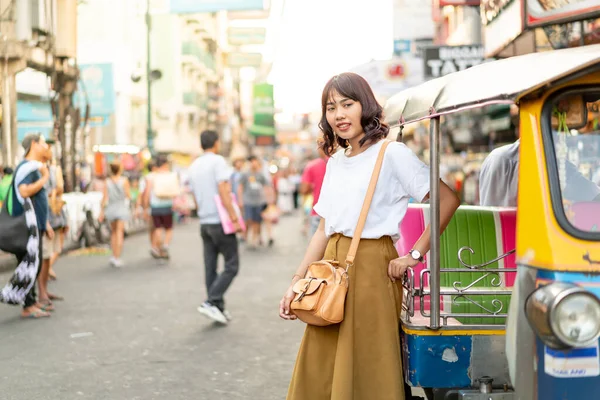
<point>305,289</point>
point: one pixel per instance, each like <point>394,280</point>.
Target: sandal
<point>55,297</point>
<point>46,305</point>
<point>36,314</point>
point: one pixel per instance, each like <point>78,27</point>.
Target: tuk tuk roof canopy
<point>496,82</point>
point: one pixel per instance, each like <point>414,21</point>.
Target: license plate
<point>573,363</point>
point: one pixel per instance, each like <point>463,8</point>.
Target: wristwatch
<point>416,255</point>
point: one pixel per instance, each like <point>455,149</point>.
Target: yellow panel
<point>540,240</point>
<point>462,332</point>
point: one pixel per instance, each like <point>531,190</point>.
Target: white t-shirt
<point>205,174</point>
<point>346,181</point>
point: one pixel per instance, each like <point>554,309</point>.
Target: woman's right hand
<point>284,305</point>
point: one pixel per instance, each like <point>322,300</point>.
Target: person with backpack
<point>162,187</point>
<point>28,196</point>
<point>116,210</point>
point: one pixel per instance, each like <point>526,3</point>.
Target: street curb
<point>8,262</point>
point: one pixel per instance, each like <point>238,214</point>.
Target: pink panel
<point>411,229</point>
<point>508,219</point>
<point>585,216</point>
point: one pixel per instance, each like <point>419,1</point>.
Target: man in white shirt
<point>499,176</point>
<point>209,176</point>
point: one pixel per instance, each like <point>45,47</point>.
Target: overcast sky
<point>321,38</point>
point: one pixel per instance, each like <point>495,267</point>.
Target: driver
<point>498,180</point>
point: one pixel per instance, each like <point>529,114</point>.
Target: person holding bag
<point>27,199</point>
<point>351,346</point>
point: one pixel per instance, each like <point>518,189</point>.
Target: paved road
<point>134,333</point>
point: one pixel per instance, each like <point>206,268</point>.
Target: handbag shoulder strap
<point>362,219</point>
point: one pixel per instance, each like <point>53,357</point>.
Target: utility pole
<point>149,133</point>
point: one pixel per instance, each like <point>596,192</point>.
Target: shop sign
<point>210,6</point>
<point>34,117</point>
<point>402,46</point>
<point>388,77</point>
<point>543,12</point>
<point>444,60</point>
<point>243,36</point>
<point>264,110</point>
<point>239,60</point>
<point>459,3</point>
<point>502,23</point>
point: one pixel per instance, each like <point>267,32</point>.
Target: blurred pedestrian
<point>236,176</point>
<point>251,192</point>
<point>58,221</point>
<point>162,187</point>
<point>270,213</point>
<point>50,242</point>
<point>296,180</point>
<point>5,183</point>
<point>29,197</point>
<point>312,180</point>
<point>285,193</point>
<point>141,205</point>
<point>116,211</point>
<point>210,177</point>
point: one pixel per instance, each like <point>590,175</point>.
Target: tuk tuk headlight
<point>564,315</point>
<point>576,319</point>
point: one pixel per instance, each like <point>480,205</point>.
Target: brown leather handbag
<point>321,296</point>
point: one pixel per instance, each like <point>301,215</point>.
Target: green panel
<point>464,306</point>
<point>476,229</point>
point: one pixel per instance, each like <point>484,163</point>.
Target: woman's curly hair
<point>355,87</point>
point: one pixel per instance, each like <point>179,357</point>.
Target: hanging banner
<point>444,60</point>
<point>98,83</point>
<point>544,12</point>
<point>210,6</point>
<point>264,110</point>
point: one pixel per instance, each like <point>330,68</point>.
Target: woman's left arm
<point>449,202</point>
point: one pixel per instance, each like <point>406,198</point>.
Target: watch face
<point>415,254</point>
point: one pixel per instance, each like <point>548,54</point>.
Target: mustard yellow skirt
<point>358,359</point>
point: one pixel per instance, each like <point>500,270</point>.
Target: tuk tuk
<point>507,303</point>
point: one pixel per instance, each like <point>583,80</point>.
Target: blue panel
<point>424,364</point>
<point>572,388</point>
<point>38,111</point>
<point>99,84</point>
<point>586,280</point>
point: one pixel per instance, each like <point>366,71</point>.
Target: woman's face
<point>344,115</point>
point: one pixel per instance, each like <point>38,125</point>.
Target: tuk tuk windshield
<point>572,123</point>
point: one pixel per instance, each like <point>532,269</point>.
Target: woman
<point>116,210</point>
<point>360,358</point>
<point>57,216</point>
<point>285,193</point>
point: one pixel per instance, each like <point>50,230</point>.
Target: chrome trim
<point>576,291</point>
<point>434,200</point>
<point>540,310</point>
<point>484,264</point>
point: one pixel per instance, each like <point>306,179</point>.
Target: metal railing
<point>458,291</point>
